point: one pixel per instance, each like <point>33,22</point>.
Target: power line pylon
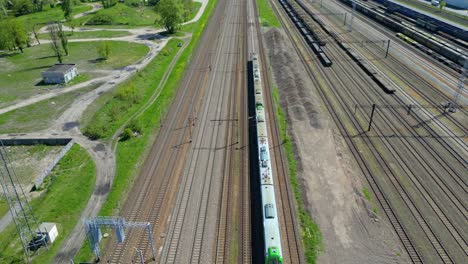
<point>21,211</point>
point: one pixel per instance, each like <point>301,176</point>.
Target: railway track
<point>234,212</point>
<point>219,115</point>
<point>292,246</point>
<point>386,204</point>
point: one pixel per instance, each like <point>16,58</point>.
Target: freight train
<point>313,40</point>
<point>387,18</point>
<point>272,239</point>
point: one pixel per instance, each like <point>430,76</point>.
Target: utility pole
<point>20,209</point>
<point>388,47</point>
<point>452,106</point>
<point>371,118</point>
<point>350,25</point>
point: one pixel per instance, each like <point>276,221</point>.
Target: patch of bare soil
<point>28,162</point>
<point>331,182</point>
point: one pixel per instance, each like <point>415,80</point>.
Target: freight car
<point>436,45</point>
<point>312,38</point>
<point>271,231</point>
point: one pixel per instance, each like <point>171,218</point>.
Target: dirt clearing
<point>354,228</point>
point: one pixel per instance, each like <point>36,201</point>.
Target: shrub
<point>135,126</point>
<point>101,19</point>
<point>134,3</point>
<point>94,131</point>
<point>126,134</point>
<point>104,50</point>
<point>128,93</point>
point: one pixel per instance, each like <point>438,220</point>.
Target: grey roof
<point>60,68</point>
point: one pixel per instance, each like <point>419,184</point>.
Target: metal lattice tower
<point>21,212</point>
<point>461,84</point>
<point>93,232</point>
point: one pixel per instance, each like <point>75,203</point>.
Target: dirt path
<point>329,177</point>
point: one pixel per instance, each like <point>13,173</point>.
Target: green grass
<point>117,106</point>
<point>311,235</point>
<point>49,14</point>
<point>196,6</point>
<point>20,72</point>
<point>366,193</point>
<point>124,15</point>
<point>267,16</point>
<point>40,115</point>
<point>66,192</point>
<point>90,34</point>
<point>130,154</point>
<point>3,206</point>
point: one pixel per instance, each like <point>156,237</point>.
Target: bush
<point>94,131</point>
<point>129,93</point>
<point>134,3</point>
<point>104,50</point>
<point>126,134</point>
<point>100,19</point>
<point>135,126</point>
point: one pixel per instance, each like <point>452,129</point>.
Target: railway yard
<point>339,136</point>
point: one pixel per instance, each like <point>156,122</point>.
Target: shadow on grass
<point>8,54</point>
<point>46,57</point>
<point>98,60</point>
<point>35,68</point>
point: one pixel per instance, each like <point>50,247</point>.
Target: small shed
<point>50,230</point>
<point>59,73</point>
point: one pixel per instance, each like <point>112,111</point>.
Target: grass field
<point>124,15</point>
<point>40,115</point>
<point>65,193</point>
<point>311,235</point>
<point>267,17</point>
<point>3,206</point>
<point>49,14</point>
<point>90,34</point>
<point>131,153</point>
<point>117,105</point>
<point>20,73</point>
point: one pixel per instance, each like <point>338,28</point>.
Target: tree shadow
<point>8,54</point>
<point>46,57</point>
<point>98,60</point>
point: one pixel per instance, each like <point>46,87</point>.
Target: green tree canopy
<point>12,35</point>
<point>67,8</point>
<point>172,14</point>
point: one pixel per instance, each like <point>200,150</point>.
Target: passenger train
<point>271,234</point>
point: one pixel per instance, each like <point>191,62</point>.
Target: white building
<point>50,230</point>
<point>59,73</point>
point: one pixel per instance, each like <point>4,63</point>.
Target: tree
<point>53,29</point>
<point>67,8</point>
<point>104,50</point>
<point>22,7</point>
<point>6,39</point>
<point>3,8</point>
<point>35,33</point>
<point>442,5</point>
<point>108,3</point>
<point>171,12</point>
<point>15,34</point>
<point>37,5</point>
<point>73,24</point>
<point>63,38</point>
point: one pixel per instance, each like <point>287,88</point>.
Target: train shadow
<point>256,217</point>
